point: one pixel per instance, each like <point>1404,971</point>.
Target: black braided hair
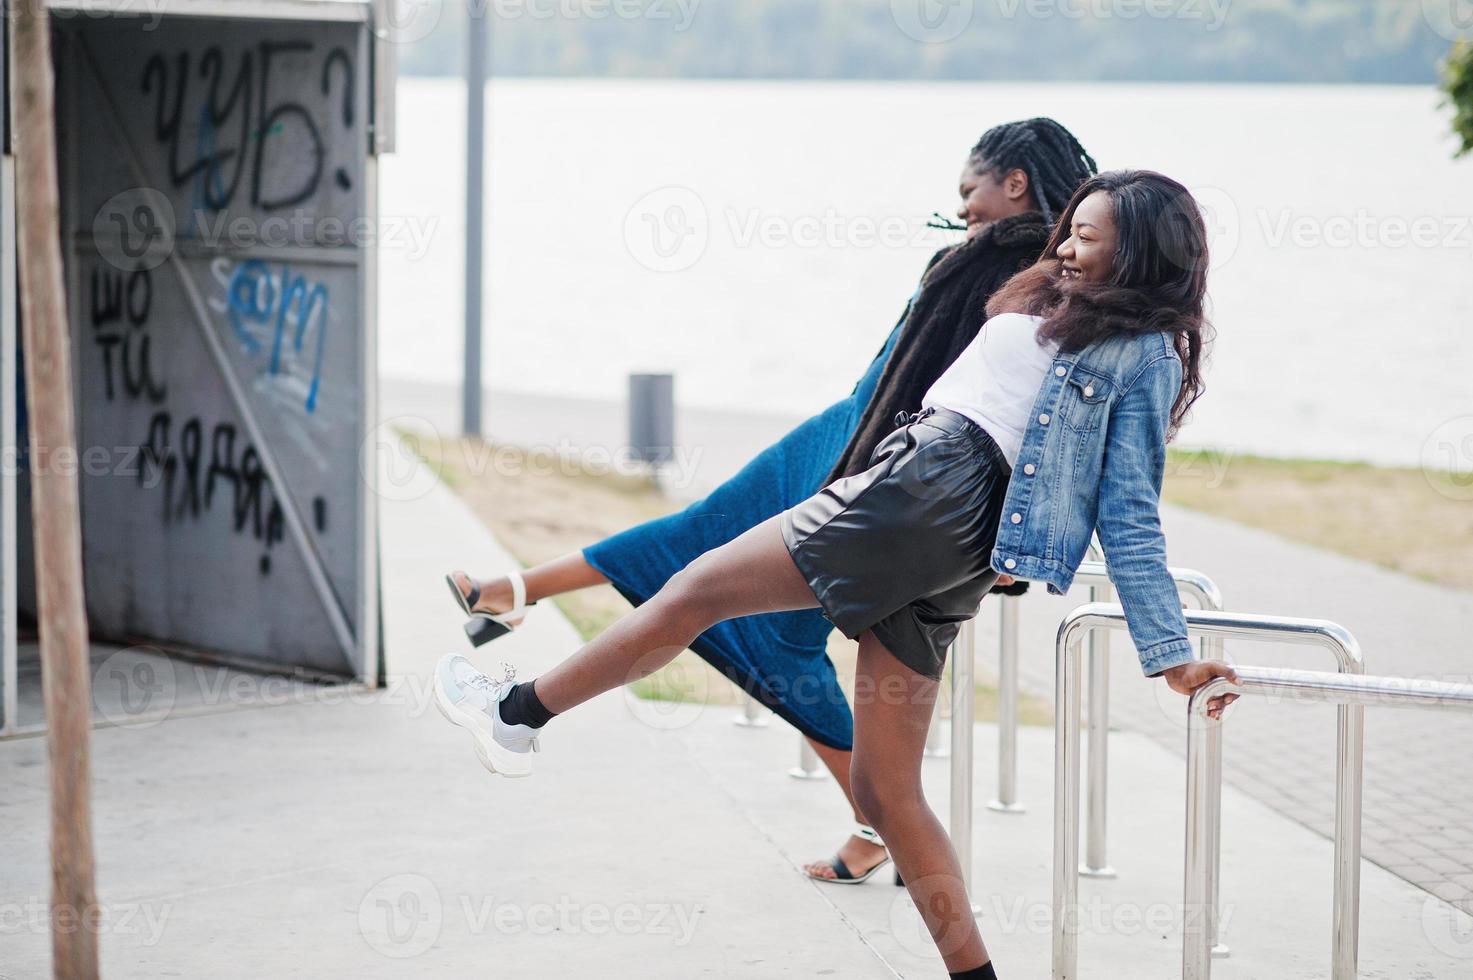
<point>1051,156</point>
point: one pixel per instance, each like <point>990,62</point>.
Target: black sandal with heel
<point>481,626</point>
<point>842,874</point>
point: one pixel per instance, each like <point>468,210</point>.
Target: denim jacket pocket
<point>1082,405</point>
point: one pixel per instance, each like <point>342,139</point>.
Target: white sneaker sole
<point>493,755</point>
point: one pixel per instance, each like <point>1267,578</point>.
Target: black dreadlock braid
<point>1049,154</point>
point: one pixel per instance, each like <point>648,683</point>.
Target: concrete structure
<point>218,172</point>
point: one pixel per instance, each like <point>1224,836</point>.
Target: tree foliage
<point>1457,82</point>
<point>1372,41</point>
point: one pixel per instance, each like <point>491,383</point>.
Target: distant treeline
<point>1065,40</point>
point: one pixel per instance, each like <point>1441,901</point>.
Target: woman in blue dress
<point>1014,184</point>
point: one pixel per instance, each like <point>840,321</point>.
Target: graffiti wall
<point>213,185</point>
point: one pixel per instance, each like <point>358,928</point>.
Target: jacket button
<point>1029,468</point>
<point>1017,518</point>
<point>1010,564</point>
<point>1043,419</point>
<point>1061,370</point>
<point>1089,391</point>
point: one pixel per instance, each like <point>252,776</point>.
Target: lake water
<point>759,239</point>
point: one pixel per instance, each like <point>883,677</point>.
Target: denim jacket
<point>1092,458</point>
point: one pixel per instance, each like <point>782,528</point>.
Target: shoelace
<point>483,683</point>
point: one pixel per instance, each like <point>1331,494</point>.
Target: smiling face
<point>1089,251</point>
<point>987,196</point>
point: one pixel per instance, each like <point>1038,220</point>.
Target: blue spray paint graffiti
<point>255,296</point>
<point>209,182</point>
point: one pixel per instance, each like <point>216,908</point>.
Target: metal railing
<point>809,766</point>
<point>754,713</point>
<point>1192,586</point>
<point>1351,692</point>
<point>1008,682</point>
<point>963,709</point>
<point>1206,624</point>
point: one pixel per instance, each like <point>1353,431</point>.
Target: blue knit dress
<point>780,659</point>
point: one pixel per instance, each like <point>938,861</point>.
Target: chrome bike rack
<point>1193,586</point>
<point>1208,625</point>
<point>809,765</point>
<point>963,710</point>
<point>754,713</point>
<point>1352,692</point>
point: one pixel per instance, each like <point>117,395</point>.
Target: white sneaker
<point>472,700</point>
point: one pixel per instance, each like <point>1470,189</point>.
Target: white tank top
<point>995,380</point>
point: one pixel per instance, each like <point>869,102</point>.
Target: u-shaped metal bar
<point>1352,692</point>
<point>1068,684</point>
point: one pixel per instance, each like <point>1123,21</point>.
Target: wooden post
<point>56,519</point>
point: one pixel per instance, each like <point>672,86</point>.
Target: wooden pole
<point>56,519</point>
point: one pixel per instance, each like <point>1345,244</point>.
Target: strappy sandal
<point>842,874</point>
<point>481,626</point>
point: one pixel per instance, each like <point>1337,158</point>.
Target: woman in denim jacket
<point>1050,425</point>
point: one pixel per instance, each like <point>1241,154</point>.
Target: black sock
<point>522,707</point>
<point>983,972</point>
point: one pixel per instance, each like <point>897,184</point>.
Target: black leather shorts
<point>904,548</point>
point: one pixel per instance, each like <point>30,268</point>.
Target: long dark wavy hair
<point>1158,281</point>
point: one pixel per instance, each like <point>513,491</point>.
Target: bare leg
<point>858,855</point>
<point>565,574</point>
<point>571,572</point>
<point>891,718</point>
<point>749,575</point>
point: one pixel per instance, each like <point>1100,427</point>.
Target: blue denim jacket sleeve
<point>1129,520</point>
